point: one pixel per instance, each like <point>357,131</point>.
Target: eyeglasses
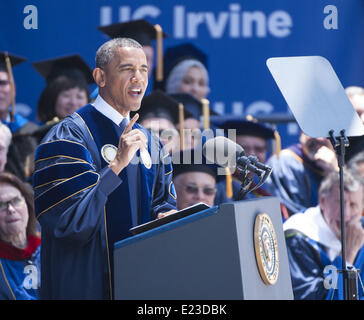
<point>4,82</point>
<point>16,202</point>
<point>254,149</point>
<point>193,189</point>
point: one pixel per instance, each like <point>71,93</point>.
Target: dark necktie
<point>133,182</point>
<point>123,124</point>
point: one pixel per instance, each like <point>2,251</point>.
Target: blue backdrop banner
<point>237,36</point>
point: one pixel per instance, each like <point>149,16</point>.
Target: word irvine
<point>234,22</point>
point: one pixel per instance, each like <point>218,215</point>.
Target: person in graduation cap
<point>67,79</point>
<point>194,178</point>
<point>16,122</point>
<point>143,32</point>
<point>254,138</point>
<point>298,171</point>
<point>99,173</point>
<point>160,114</point>
<point>186,71</point>
<point>23,144</point>
<point>313,240</point>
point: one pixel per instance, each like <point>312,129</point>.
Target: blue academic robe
<point>294,179</point>
<point>307,259</point>
<point>13,278</point>
<point>84,208</point>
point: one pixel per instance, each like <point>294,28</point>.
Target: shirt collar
<point>312,224</point>
<point>108,111</point>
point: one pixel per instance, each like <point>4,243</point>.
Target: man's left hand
<point>163,214</point>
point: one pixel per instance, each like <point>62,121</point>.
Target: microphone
<point>262,166</point>
<point>245,164</point>
<point>226,153</point>
<point>222,151</point>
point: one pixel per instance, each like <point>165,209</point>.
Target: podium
<point>210,255</point>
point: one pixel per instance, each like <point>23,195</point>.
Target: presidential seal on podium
<point>266,249</point>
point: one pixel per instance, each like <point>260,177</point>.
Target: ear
<point>99,77</point>
<point>321,203</point>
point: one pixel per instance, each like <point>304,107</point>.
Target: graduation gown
<point>311,246</point>
<point>294,179</point>
<point>84,208</point>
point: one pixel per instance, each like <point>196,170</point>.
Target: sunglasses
<point>192,189</point>
<point>16,202</point>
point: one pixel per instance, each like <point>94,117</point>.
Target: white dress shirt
<point>108,111</point>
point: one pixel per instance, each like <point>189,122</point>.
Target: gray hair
<point>351,182</point>
<point>178,72</point>
<point>107,51</point>
<point>7,133</point>
<point>354,91</point>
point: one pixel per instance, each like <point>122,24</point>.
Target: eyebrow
<point>131,65</point>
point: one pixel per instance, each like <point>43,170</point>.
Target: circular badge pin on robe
<point>108,152</point>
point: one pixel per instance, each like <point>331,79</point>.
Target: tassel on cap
<point>229,183</point>
<point>12,86</point>
<point>159,67</point>
<point>206,113</point>
<point>278,143</point>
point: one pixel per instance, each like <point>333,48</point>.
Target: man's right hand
<point>354,234</point>
<point>130,142</point>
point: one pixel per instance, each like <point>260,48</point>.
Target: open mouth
<point>135,92</point>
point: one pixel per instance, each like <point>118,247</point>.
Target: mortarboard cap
<point>176,54</point>
<point>159,105</point>
<point>14,59</point>
<point>72,66</point>
<point>191,104</point>
<point>248,127</point>
<point>192,160</point>
<point>139,30</point>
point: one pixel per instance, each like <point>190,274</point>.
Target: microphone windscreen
<point>222,151</point>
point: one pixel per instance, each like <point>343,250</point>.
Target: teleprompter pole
<point>350,277</point>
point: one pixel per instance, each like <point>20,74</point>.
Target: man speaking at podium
<point>98,174</point>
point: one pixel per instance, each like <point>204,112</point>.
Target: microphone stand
<point>350,275</point>
<point>246,181</point>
